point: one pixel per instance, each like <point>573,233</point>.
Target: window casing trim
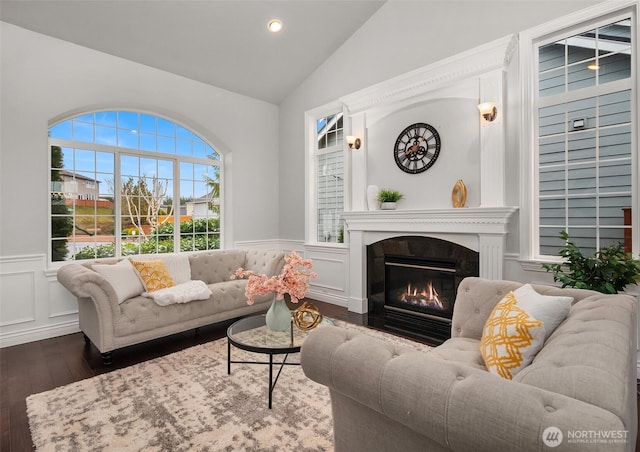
<point>311,154</point>
<point>529,41</point>
<point>117,151</point>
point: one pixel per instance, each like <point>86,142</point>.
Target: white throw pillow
<point>550,309</point>
<point>122,276</point>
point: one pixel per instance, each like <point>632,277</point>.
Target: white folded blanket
<point>180,293</point>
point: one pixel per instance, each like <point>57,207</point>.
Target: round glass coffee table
<point>251,334</point>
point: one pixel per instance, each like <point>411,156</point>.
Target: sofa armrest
<point>454,405</point>
<point>85,283</point>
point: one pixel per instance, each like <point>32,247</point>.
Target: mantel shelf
<point>471,220</point>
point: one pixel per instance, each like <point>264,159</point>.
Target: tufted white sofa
<point>581,384</point>
<point>111,325</point>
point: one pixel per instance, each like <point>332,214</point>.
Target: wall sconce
<point>488,111</point>
<point>353,142</point>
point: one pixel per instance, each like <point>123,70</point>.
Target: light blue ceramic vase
<point>278,316</point>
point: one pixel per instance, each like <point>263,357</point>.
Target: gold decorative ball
<point>307,316</point>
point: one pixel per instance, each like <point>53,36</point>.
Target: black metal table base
<point>272,382</point>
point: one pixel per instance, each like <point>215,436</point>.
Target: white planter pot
<point>388,206</point>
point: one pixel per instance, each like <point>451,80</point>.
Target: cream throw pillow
<point>551,310</point>
<point>511,338</point>
<point>153,274</point>
<point>122,277</point>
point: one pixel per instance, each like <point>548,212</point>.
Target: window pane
<point>148,124</point>
<point>552,82</point>
<point>183,147</point>
<point>83,132</point>
<point>106,135</point>
<point>166,145</point>
<point>62,131</point>
<point>550,241</point>
<point>128,120</point>
<point>166,128</point>
<point>106,118</point>
<point>579,76</point>
<point>611,211</point>
<point>552,212</point>
<point>582,146</point>
<point>127,138</point>
<point>329,190</point>
<point>581,47</point>
<point>581,212</point>
<point>147,142</point>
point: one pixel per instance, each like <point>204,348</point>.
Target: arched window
<point>126,183</point>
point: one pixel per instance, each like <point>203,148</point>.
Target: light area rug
<point>186,401</point>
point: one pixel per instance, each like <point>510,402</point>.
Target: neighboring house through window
<point>127,183</point>
<point>585,136</point>
<point>329,178</point>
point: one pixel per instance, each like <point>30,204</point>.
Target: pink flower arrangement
<point>293,280</point>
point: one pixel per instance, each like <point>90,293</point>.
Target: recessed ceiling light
<point>274,25</point>
<point>593,67</point>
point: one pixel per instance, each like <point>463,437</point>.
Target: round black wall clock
<point>417,148</point>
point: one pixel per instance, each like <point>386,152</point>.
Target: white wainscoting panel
<point>33,306</point>
<point>331,265</point>
<point>17,297</point>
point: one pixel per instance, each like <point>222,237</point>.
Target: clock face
<point>417,148</point>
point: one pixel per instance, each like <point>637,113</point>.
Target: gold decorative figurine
<point>307,316</point>
<point>459,194</point>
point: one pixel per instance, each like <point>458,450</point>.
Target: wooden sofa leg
<point>107,359</point>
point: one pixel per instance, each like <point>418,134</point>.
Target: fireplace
<point>412,284</point>
<point>420,285</point>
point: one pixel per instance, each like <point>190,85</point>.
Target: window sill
<point>324,245</point>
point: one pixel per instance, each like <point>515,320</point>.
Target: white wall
<point>43,79</point>
<point>432,188</point>
<point>401,36</point>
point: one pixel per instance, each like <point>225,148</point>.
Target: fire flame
<point>426,297</point>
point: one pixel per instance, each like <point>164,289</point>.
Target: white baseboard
<point>38,334</point>
<point>328,298</point>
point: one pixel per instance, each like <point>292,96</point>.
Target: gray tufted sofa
<point>110,325</point>
<point>582,382</point>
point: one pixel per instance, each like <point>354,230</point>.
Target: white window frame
<point>607,12</point>
<point>118,152</point>
<point>311,153</point>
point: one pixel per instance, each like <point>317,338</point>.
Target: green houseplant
<point>388,198</point>
<point>608,271</point>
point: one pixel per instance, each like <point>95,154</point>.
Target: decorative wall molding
<point>435,76</point>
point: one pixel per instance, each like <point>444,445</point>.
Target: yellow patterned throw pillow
<point>511,338</point>
<point>153,274</point>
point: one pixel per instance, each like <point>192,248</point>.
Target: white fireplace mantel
<point>474,220</point>
<point>484,227</point>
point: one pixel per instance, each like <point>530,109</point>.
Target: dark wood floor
<point>39,366</point>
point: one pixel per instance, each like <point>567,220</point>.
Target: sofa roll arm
<point>457,406</point>
<point>77,279</point>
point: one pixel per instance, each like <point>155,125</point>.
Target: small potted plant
<point>609,271</point>
<point>388,198</point>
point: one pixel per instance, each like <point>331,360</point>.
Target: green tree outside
<point>61,221</point>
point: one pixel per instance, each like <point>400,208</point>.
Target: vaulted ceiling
<point>222,43</point>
